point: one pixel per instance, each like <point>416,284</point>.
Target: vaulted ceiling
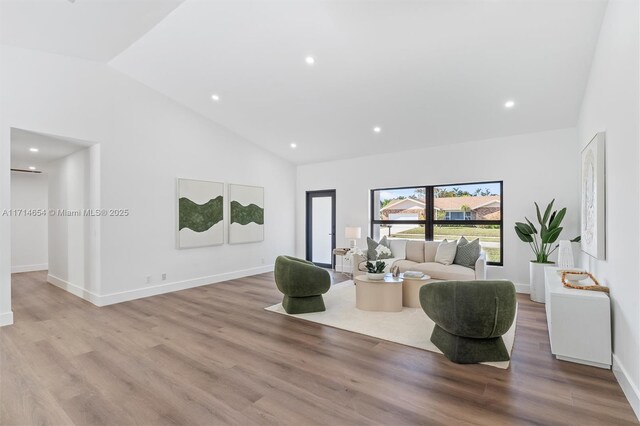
<point>90,29</point>
<point>425,72</point>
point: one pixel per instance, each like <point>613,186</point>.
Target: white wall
<point>28,232</point>
<point>534,167</point>
<point>69,237</point>
<point>611,104</point>
<point>146,141</point>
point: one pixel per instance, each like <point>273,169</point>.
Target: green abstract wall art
<point>246,214</point>
<point>200,213</point>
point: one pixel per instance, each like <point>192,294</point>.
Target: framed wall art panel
<point>246,214</point>
<point>592,208</point>
<point>200,213</point>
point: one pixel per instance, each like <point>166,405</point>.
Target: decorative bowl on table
<point>376,276</point>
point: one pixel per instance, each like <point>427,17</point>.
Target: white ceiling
<point>90,29</point>
<point>427,72</point>
<point>49,148</point>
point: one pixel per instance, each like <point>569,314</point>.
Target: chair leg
<point>303,305</point>
<point>466,350</point>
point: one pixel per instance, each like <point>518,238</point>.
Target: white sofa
<point>418,255</point>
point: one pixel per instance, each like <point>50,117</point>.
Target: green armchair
<point>470,317</point>
<point>302,284</point>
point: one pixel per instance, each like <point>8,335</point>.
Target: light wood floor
<point>212,355</point>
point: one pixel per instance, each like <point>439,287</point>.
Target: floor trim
<point>110,299</point>
<point>124,296</point>
<point>29,268</point>
<point>6,318</point>
<point>74,289</point>
<point>523,288</point>
<point>630,390</point>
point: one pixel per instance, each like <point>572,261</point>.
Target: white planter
<point>536,280</point>
<point>377,277</point>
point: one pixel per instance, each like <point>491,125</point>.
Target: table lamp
<point>352,233</point>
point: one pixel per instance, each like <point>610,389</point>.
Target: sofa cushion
<point>439,271</point>
<point>446,252</point>
<point>467,253</point>
<point>415,251</point>
<point>405,265</point>
<point>430,249</point>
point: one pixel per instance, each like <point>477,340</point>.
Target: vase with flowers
<point>375,271</point>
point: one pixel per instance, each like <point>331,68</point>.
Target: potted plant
<point>376,271</point>
<point>542,244</point>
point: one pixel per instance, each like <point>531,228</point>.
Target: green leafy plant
<point>550,229</point>
<point>378,268</point>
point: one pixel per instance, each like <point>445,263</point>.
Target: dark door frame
<point>309,217</point>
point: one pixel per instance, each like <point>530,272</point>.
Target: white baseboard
<point>522,288</point>
<point>124,296</point>
<point>29,268</point>
<point>74,289</point>
<point>628,387</point>
<point>6,318</point>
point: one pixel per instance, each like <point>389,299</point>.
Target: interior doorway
<point>54,210</point>
<point>321,227</point>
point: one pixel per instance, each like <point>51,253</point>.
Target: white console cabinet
<point>579,322</point>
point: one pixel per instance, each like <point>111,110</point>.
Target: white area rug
<point>411,327</point>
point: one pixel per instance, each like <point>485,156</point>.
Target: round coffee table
<point>411,290</point>
<point>379,295</point>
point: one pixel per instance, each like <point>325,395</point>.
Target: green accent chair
<point>470,317</point>
<point>302,284</point>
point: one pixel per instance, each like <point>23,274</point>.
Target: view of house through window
<point>401,213</point>
<point>471,210</point>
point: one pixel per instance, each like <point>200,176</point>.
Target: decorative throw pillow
<point>446,252</point>
<point>398,248</point>
<point>467,253</point>
<point>375,253</point>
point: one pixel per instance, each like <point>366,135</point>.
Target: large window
<point>472,210</point>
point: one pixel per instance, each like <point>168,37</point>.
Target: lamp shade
<point>352,232</point>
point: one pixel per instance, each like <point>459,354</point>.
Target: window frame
<point>430,222</point>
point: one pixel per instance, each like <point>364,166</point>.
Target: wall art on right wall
<point>592,209</point>
<point>246,214</point>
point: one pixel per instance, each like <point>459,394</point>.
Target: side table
<point>340,252</point>
<point>379,295</point>
<point>411,290</point>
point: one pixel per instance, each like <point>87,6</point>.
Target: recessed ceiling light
<point>34,149</point>
<point>215,97</point>
<point>509,104</point>
<point>31,168</point>
<point>310,60</point>
<point>377,129</point>
<point>293,145</point>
